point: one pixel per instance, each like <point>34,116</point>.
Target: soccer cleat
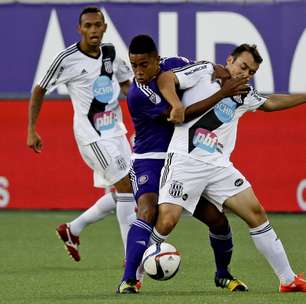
<point>127,287</point>
<point>138,284</point>
<point>299,284</point>
<point>231,283</point>
<point>71,241</point>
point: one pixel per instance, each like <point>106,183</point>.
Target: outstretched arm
<point>280,102</point>
<point>33,139</point>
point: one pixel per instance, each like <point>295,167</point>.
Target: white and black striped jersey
<point>211,137</point>
<point>78,72</point>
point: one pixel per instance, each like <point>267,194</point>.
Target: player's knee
<point>147,212</point>
<point>258,215</point>
<point>165,224</point>
<point>219,225</point>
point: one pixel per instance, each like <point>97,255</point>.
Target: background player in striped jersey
<point>149,111</point>
<point>198,162</point>
<point>94,76</point>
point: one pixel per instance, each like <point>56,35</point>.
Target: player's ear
<point>105,27</point>
<point>79,29</point>
<point>230,59</point>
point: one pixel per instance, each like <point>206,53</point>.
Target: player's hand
<point>177,114</point>
<point>220,72</point>
<point>34,141</point>
<point>235,86</point>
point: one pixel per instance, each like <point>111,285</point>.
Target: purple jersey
<point>146,104</point>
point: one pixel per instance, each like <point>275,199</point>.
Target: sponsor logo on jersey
<point>176,189</point>
<point>196,69</point>
<point>104,120</point>
<point>205,139</point>
<point>155,98</point>
<point>238,182</point>
<point>225,110</point>
<point>84,72</point>
<point>103,89</point>
<point>143,179</point>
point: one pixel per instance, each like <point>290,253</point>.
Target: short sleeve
<point>188,76</point>
<point>56,74</point>
<point>255,100</point>
<point>123,71</point>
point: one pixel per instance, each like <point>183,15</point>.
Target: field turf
<point>34,267</point>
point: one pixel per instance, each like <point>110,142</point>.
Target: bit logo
<point>205,140</point>
<point>105,120</point>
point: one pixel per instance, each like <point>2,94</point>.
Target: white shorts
<point>184,180</point>
<point>108,158</point>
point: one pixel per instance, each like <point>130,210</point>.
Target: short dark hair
<point>90,9</point>
<point>142,44</point>
<point>252,49</point>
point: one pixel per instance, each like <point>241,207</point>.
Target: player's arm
<point>33,139</point>
<point>278,102</point>
<point>230,87</point>
<point>125,86</point>
<point>166,83</point>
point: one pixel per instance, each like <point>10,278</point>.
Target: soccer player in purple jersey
<point>153,119</point>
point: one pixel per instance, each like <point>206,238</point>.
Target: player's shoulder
<point>195,66</point>
<point>138,93</point>
<point>66,54</point>
<point>170,63</point>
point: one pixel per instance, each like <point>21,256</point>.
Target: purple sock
<point>137,242</point>
<point>222,246</point>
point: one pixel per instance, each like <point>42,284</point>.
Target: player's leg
<point>144,176</point>
<point>70,232</point>
<point>125,207</point>
<point>109,159</point>
<point>246,205</point>
<point>221,242</point>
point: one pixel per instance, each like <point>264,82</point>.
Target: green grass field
<point>34,267</point>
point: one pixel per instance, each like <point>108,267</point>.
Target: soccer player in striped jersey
<point>198,162</point>
<point>153,132</point>
<point>93,75</point>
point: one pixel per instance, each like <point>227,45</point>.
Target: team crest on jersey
<point>108,66</point>
<point>121,163</point>
<point>176,189</point>
<point>155,98</point>
<point>143,179</point>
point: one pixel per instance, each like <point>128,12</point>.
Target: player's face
<point>92,28</point>
<point>243,65</point>
<point>145,66</point>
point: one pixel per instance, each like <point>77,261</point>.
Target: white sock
<point>156,237</point>
<point>270,246</point>
<point>126,215</point>
<point>104,206</point>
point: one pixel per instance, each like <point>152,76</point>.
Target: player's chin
<point>141,80</point>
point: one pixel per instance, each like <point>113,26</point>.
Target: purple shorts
<point>144,175</point>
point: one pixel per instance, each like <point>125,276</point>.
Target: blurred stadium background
<point>271,151</point>
<point>271,148</point>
